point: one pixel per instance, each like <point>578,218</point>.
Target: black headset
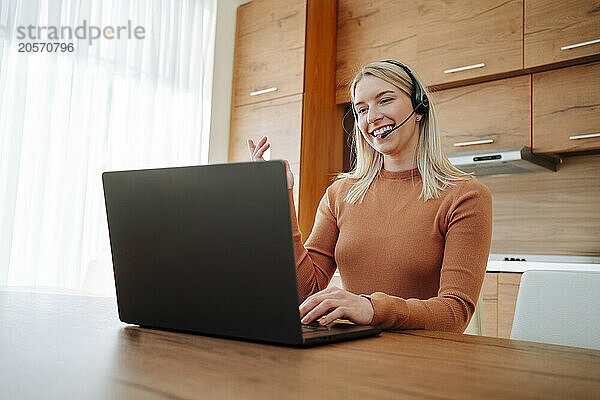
<point>418,99</point>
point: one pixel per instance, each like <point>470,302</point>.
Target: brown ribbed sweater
<point>421,263</point>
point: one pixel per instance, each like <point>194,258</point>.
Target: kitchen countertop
<point>522,266</point>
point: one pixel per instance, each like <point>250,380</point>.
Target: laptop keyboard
<point>314,327</point>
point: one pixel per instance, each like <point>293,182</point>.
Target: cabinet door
<point>460,40</point>
<point>490,304</point>
<point>280,120</point>
<point>560,30</point>
<point>470,116</point>
<point>508,289</point>
<point>566,109</point>
<point>370,31</point>
<point>269,50</point>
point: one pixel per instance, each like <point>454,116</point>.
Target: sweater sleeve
<point>466,249</point>
<point>315,263</point>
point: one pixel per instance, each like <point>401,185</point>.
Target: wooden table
<point>56,346</point>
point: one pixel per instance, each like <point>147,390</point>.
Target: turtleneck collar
<point>406,174</point>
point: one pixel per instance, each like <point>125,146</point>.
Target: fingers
<point>320,303</point>
<point>322,308</point>
<point>251,147</point>
<point>262,141</point>
<point>338,313</point>
<point>334,303</point>
<point>312,301</point>
<point>258,154</point>
<point>256,151</point>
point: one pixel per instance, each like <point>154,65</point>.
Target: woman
<point>409,233</point>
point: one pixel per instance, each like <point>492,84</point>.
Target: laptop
<point>209,249</point>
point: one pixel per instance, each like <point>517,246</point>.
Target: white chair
<point>558,307</point>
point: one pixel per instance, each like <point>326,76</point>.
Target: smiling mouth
<point>382,130</point>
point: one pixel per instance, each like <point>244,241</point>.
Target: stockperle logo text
<point>84,31</point>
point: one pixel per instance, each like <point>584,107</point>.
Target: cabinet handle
<point>591,135</point>
<point>572,46</point>
<point>263,91</point>
<point>449,71</point>
<point>486,141</point>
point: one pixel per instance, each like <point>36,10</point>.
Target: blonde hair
<point>436,171</point>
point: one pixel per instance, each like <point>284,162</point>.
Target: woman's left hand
<point>333,303</point>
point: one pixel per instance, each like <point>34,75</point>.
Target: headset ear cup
<point>423,106</point>
<point>419,99</point>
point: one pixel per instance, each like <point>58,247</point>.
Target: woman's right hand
<point>256,154</point>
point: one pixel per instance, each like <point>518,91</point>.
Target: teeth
<point>380,131</point>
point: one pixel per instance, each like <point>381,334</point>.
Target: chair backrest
<point>558,307</point>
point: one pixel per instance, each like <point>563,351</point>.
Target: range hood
<point>515,160</point>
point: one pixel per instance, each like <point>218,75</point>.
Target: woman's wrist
<point>372,308</point>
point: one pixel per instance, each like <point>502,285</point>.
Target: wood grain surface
<point>566,102</point>
<point>322,141</point>
<point>548,212</point>
<point>490,304</point>
<point>552,24</point>
<point>269,50</point>
<point>68,347</point>
<point>458,33</point>
<point>508,289</point>
<point>498,110</point>
<point>63,346</point>
<point>301,124</point>
<point>370,31</point>
<point>278,119</point>
<point>511,38</point>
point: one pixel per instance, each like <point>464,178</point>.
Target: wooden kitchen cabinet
<point>566,110</point>
<point>492,38</point>
<point>292,42</point>
<point>490,304</point>
<point>499,111</point>
<point>508,289</point>
<point>454,34</point>
<point>500,291</point>
<point>370,31</point>
<point>280,120</point>
<point>431,37</point>
<point>269,50</point>
<point>552,25</point>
